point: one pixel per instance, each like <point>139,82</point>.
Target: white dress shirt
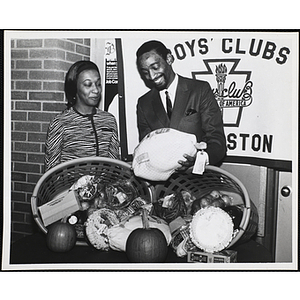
<point>172,92</point>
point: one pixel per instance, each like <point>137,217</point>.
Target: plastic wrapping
<point>157,155</point>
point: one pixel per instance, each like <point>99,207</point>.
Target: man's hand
<point>189,162</point>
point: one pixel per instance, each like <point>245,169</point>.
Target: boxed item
<point>225,256</point>
<point>59,207</point>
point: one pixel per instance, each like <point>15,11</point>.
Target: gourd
<point>146,245</point>
<point>61,237</point>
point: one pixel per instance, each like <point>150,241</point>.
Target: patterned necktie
<point>169,105</point>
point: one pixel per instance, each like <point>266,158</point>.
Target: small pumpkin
<point>146,245</point>
<point>61,237</point>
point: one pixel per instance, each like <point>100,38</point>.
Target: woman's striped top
<point>73,135</point>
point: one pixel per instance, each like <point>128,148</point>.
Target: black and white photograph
<point>150,150</point>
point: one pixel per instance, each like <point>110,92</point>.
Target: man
<point>194,108</point>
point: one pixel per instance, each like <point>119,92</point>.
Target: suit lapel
<point>181,101</point>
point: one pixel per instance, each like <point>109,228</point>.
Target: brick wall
<point>38,68</point>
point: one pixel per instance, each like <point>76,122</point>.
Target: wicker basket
<point>214,178</point>
<point>60,178</point>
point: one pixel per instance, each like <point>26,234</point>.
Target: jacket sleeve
<point>114,147</point>
<point>143,126</point>
<point>212,126</point>
<point>53,145</point>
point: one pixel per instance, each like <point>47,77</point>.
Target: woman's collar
<point>85,115</point>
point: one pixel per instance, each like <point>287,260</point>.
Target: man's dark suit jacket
<point>195,111</point>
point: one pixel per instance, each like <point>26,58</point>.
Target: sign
<point>111,73</point>
<point>114,92</point>
<point>253,76</point>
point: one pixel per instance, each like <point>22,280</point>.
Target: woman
<point>82,129</point>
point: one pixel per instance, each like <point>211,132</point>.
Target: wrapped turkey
<point>157,155</point>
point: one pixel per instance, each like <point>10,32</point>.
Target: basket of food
<point>91,192</point>
<point>212,211</point>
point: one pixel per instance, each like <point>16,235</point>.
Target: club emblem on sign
<point>221,73</point>
<point>232,88</point>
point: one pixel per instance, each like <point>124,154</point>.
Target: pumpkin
<point>146,245</point>
<point>61,237</point>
